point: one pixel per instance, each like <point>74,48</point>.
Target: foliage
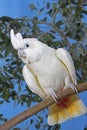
<point>58,24</point>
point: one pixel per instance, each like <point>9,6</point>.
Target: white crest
<point>16,40</point>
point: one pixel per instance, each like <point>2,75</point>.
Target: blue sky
<point>19,8</point>
<point>14,8</point>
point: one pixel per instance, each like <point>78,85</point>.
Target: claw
<point>54,95</point>
<point>73,87</point>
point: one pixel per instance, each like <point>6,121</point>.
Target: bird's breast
<point>51,73</point>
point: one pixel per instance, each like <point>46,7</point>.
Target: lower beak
<point>21,53</point>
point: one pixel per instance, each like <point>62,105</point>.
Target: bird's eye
<point>27,45</point>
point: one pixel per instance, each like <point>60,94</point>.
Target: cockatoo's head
<point>30,50</point>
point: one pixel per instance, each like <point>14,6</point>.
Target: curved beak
<point>21,53</point>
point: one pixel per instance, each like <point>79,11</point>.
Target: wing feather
<point>32,81</point>
<point>66,59</point>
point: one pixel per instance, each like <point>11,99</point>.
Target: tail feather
<point>58,114</point>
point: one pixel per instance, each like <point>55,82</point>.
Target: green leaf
<point>41,9</point>
<point>59,23</point>
<point>1,102</point>
<point>32,6</point>
<point>37,126</point>
<point>8,50</point>
<point>48,5</point>
<point>31,121</point>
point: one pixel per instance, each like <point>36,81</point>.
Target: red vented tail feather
<point>59,113</point>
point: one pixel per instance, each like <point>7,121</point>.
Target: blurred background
<point>57,23</point>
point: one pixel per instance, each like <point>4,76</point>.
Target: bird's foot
<point>54,95</point>
<point>62,103</point>
<point>73,87</point>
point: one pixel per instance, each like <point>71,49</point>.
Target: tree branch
<point>40,106</point>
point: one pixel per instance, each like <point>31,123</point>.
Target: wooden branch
<point>40,106</point>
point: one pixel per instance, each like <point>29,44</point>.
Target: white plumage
<point>46,71</point>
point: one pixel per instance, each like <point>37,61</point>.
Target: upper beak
<point>21,53</point>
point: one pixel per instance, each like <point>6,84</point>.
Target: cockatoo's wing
<point>32,81</point>
<point>16,40</point>
<point>66,59</point>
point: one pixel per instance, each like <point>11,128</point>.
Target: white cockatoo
<point>46,71</point>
